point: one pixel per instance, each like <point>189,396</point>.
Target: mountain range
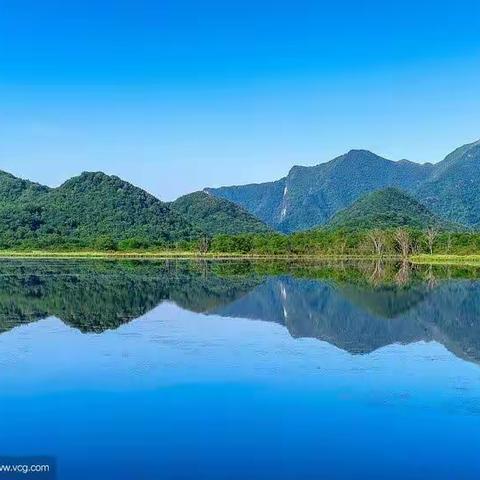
<point>356,190</point>
<point>94,205</point>
<point>309,197</point>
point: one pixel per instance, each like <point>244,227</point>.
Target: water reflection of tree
<point>378,272</point>
<point>403,274</point>
<point>430,278</point>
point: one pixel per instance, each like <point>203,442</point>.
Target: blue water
<point>214,393</point>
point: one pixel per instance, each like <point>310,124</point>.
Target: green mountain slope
<point>309,196</point>
<point>264,200</point>
<point>84,208</point>
<point>216,215</point>
<point>453,190</point>
<point>389,208</point>
<point>13,188</point>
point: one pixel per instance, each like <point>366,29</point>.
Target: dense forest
<point>213,215</point>
<point>91,210</point>
<point>103,212</point>
<point>322,242</point>
<point>389,208</point>
<point>398,242</point>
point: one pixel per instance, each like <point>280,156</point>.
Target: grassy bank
<point>473,259</point>
<point>107,254</point>
<point>443,259</point>
<point>176,254</point>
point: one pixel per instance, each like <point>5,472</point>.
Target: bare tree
<point>404,242</point>
<point>431,233</point>
<point>415,247</point>
<point>377,237</point>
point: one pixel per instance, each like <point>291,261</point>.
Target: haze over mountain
<point>388,208</point>
<point>309,196</point>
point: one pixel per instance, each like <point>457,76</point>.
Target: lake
<point>241,370</point>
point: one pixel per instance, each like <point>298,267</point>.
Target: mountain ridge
<point>95,205</point>
<point>454,189</point>
<point>83,208</point>
<point>308,196</point>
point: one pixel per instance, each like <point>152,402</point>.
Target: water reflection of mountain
<point>361,320</point>
<point>344,310</point>
<point>97,296</point>
<point>310,308</point>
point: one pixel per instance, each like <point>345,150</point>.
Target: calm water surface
<point>193,370</point>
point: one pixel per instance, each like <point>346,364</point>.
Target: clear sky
<point>178,95</point>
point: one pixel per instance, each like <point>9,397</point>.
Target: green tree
<point>105,243</point>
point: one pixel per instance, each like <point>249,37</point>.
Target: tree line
<point>387,242</point>
<point>399,242</point>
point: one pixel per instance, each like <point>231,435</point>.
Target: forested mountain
<point>13,188</point>
<point>388,208</point>
<point>84,209</point>
<point>453,190</point>
<point>94,207</point>
<point>264,200</point>
<point>309,196</point>
<point>215,215</point>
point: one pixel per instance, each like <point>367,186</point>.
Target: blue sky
<point>178,95</point>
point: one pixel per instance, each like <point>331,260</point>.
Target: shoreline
<point>182,256</point>
<point>472,260</point>
<point>435,259</point>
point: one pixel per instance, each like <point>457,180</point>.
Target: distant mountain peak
<point>95,180</point>
<point>359,151</point>
<point>360,154</point>
<point>87,175</point>
<point>309,195</point>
